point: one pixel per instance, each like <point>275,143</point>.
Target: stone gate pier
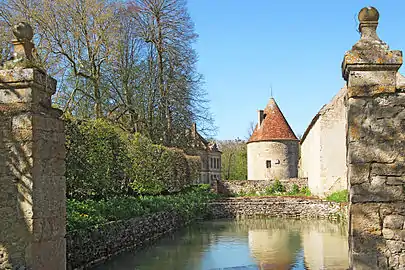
<point>32,166</point>
<point>375,150</point>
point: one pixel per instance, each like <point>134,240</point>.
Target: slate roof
<point>274,126</point>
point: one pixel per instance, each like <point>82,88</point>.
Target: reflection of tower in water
<point>325,246</point>
<point>274,248</point>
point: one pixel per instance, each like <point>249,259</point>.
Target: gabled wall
<point>323,149</point>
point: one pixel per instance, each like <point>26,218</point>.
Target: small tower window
<point>268,163</point>
<point>277,161</point>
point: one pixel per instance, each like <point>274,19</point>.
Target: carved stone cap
<point>25,78</point>
<point>370,53</point>
<point>23,31</point>
<point>368,14</point>
<point>24,49</point>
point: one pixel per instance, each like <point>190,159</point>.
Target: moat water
<point>244,244</point>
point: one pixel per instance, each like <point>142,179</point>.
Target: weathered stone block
<point>395,181</point>
<point>27,77</point>
<point>398,235</point>
<point>394,222</point>
<point>395,247</point>
<point>360,152</point>
<point>402,259</point>
<point>376,191</point>
<point>363,261</point>
<point>48,254</point>
<point>370,83</point>
<point>392,169</point>
<point>8,96</point>
<point>365,219</point>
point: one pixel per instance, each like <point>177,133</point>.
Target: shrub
<point>278,187</point>
<point>95,159</point>
<point>103,161</point>
<point>194,165</point>
<point>338,196</point>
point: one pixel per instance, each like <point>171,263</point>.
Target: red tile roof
<point>274,126</point>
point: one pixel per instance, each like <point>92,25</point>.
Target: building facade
<point>273,148</point>
<point>323,148</point>
<point>210,157</point>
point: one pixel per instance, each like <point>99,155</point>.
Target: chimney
<point>259,118</point>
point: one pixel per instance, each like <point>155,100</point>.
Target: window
<point>212,163</point>
<point>268,163</point>
<point>277,161</point>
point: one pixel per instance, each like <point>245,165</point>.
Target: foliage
<point>275,188</point>
<point>95,160</point>
<point>190,204</point>
<point>103,161</point>
<point>131,62</point>
<point>338,196</point>
<point>194,165</point>
<point>295,189</point>
<point>234,160</point>
<point>305,191</point>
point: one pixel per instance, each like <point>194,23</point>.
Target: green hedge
<point>103,161</point>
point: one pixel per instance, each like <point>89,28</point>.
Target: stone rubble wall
<point>233,187</point>
<point>95,245</point>
<point>377,178</point>
<point>289,207</point>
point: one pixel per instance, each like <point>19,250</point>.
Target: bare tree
<point>131,62</point>
<point>251,129</point>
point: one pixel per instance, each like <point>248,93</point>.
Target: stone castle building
<point>323,148</point>
<point>272,150</point>
<point>210,157</point>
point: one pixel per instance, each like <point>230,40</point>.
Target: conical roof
<point>274,125</point>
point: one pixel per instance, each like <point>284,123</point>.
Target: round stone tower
<point>272,150</point>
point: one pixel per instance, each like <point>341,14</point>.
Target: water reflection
<point>245,244</point>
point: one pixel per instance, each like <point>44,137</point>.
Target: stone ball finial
<point>368,14</point>
<point>23,31</point>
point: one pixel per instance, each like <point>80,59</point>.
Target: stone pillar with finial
<point>32,165</point>
<point>375,149</point>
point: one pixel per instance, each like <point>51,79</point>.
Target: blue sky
<point>297,47</point>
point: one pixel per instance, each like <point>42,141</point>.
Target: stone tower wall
<point>258,153</point>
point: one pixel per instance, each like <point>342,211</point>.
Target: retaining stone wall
<point>95,245</point>
<point>290,207</point>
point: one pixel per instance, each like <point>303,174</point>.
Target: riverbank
<point>95,244</point>
<point>98,230</point>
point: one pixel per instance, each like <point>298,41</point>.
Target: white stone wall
<point>283,156</point>
<point>323,151</point>
<point>311,158</point>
